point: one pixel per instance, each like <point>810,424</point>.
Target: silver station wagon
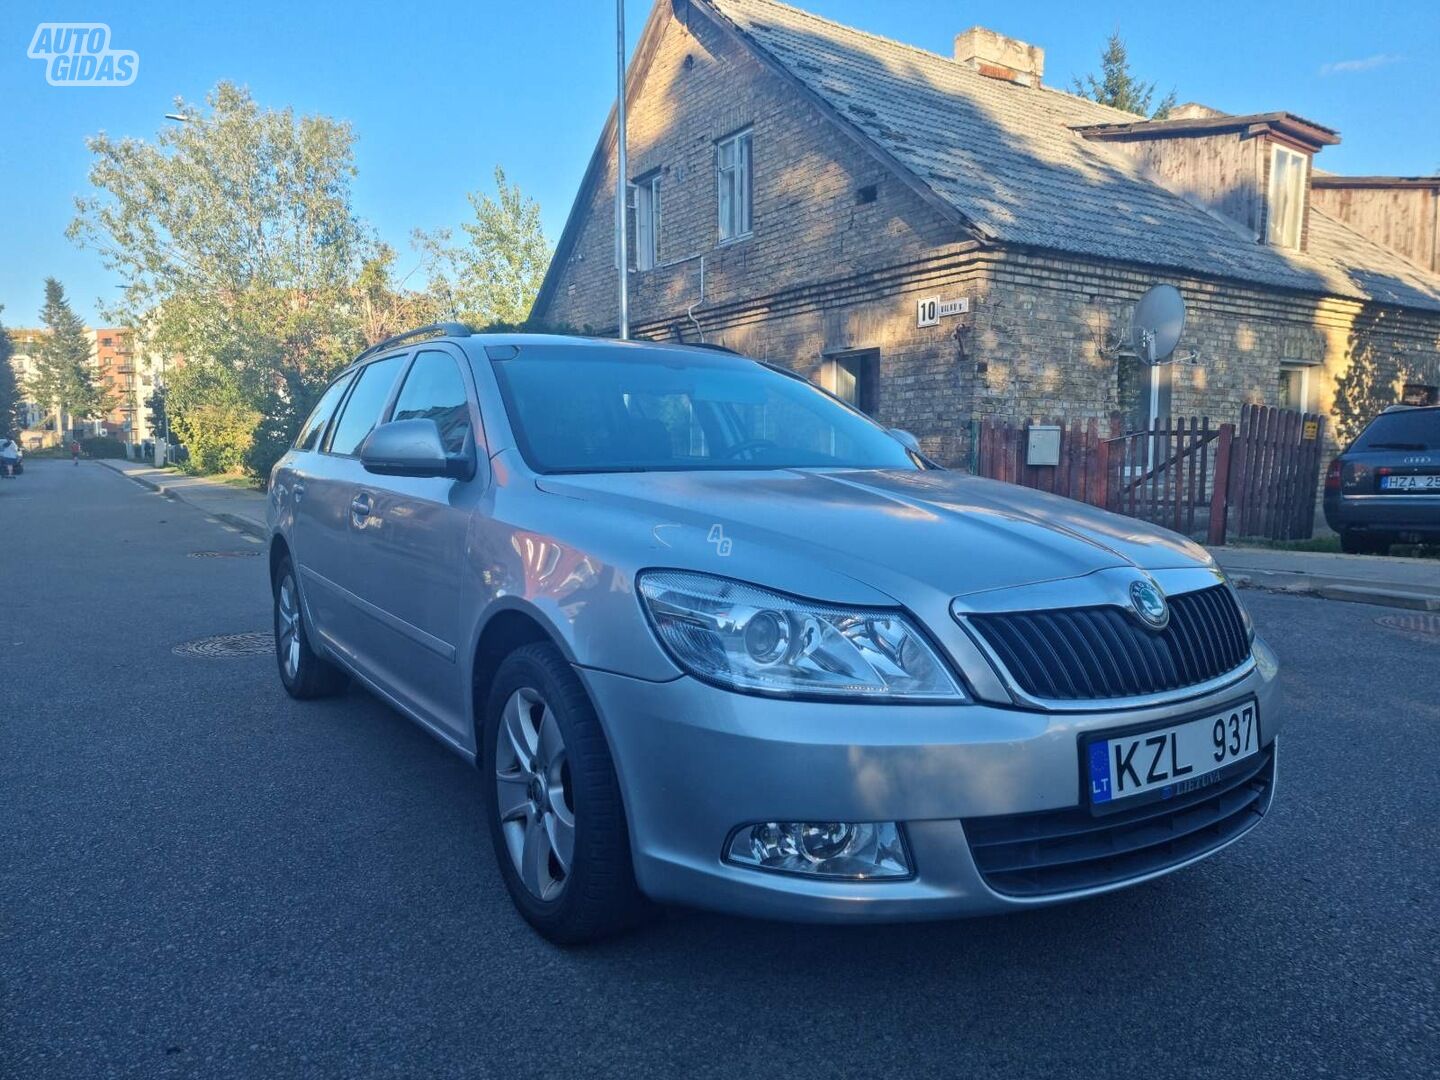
<point>714,638</point>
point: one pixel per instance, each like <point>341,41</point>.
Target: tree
<point>234,237</point>
<point>155,415</point>
<point>64,377</point>
<point>1117,87</point>
<point>9,387</point>
<point>495,274</point>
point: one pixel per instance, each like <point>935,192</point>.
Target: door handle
<point>361,506</point>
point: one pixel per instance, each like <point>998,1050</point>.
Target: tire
<point>304,674</point>
<point>544,753</point>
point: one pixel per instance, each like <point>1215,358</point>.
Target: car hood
<point>953,532</point>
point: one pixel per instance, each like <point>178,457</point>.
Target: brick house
<point>799,188</point>
<point>114,360</point>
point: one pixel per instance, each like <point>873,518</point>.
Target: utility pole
<point>620,184</point>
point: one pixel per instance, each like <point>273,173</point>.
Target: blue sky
<point>440,92</point>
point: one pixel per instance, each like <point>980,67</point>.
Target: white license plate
<point>1429,482</point>
<point>1178,757</point>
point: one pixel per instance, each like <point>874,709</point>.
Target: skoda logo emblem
<point>1149,604</point>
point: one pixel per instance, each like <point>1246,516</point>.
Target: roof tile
<point>1005,157</point>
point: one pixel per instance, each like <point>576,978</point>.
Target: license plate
<point>1428,482</point>
<point>1170,760</point>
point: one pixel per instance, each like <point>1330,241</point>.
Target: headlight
<point>750,639</point>
<point>1245,619</point>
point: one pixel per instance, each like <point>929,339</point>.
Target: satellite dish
<point>1157,324</point>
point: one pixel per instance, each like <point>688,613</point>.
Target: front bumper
<point>695,761</point>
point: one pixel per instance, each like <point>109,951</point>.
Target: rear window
<point>1418,429</point>
<point>309,436</point>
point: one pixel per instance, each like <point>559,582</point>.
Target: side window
<point>309,437</point>
<point>362,409</point>
<point>647,222</point>
<point>435,391</point>
<point>732,173</point>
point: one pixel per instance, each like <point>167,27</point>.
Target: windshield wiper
<point>1396,446</point>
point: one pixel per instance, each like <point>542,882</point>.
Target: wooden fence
<point>1208,480</point>
<point>1275,473</point>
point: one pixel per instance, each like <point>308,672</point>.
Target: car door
<point>411,545</point>
<point>304,474</point>
<point>330,578</point>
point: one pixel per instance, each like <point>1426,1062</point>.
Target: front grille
<point>1104,652</point>
<point>1057,851</point>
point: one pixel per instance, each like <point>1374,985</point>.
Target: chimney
<point>1193,110</point>
<point>1000,57</point>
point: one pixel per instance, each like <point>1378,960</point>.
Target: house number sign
<point>932,309</point>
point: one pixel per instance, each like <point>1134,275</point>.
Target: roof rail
<point>445,329</point>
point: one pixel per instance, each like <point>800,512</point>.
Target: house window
<point>1287,197</point>
<point>647,222</point>
<point>1419,394</point>
<point>854,377</point>
<point>732,170</point>
<point>1295,387</point>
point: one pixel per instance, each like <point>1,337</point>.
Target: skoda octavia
<point>712,637</point>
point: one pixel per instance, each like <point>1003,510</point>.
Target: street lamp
<point>179,118</point>
<point>620,185</point>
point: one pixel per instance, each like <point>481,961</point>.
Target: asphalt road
<point>200,877</point>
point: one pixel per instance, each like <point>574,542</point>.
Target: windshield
<point>1410,430</point>
<point>632,410</point>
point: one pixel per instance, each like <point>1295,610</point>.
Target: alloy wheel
<point>534,794</point>
<point>288,626</point>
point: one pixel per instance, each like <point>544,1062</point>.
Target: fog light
<point>831,849</point>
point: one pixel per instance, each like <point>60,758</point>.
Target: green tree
<point>9,387</point>
<point>155,415</point>
<point>493,275</point>
<point>235,240</point>
<point>1117,87</point>
<point>64,375</point>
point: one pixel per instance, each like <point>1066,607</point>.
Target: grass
<point>238,480</point>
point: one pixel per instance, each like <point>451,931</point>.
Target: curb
<point>1354,594</point>
<point>245,525</point>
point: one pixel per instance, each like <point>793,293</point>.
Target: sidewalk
<point>244,510</point>
<point>1365,579</point>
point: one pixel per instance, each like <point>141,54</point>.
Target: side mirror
<point>905,439</point>
<point>413,448</point>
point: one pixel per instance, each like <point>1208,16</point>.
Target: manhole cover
<point>1412,624</point>
<point>223,554</point>
<point>227,645</point>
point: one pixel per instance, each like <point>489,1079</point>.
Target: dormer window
<point>1286,204</point>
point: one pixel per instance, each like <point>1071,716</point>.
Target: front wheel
<point>304,674</point>
<point>556,816</point>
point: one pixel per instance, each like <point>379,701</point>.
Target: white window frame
<point>734,185</point>
<point>647,222</point>
<point>1303,368</point>
<point>1278,232</point>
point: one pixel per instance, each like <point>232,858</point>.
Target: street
<point>202,877</point>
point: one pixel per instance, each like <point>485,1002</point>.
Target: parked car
<point>1385,488</point>
<point>715,638</point>
<point>12,458</point>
